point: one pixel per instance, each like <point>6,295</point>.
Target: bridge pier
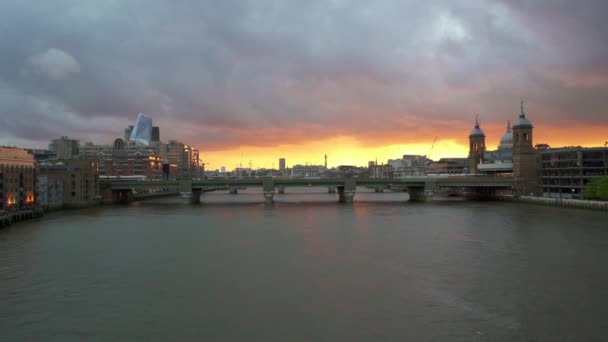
<point>122,196</point>
<point>346,192</point>
<point>268,197</point>
<point>268,189</point>
<point>421,194</point>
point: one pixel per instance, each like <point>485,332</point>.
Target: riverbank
<point>557,202</point>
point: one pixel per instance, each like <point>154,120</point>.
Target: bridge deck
<point>436,182</point>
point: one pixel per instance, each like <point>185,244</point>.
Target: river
<point>306,269</point>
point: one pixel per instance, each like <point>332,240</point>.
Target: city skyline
<point>259,81</point>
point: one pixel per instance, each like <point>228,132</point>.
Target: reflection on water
<point>306,269</point>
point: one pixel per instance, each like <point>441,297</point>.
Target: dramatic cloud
<point>223,74</point>
<point>54,63</point>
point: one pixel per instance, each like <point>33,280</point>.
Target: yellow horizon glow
<point>340,151</point>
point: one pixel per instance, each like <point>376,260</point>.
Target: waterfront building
<point>80,180</point>
<point>565,172</point>
<point>49,191</point>
<point>477,147</point>
<point>64,148</point>
<point>17,178</point>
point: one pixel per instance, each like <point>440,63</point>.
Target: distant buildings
<point>307,170</point>
<point>409,165</point>
<point>448,166</point>
<point>64,148</point>
<point>282,165</point>
<point>17,178</point>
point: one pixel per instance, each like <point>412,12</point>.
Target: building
<point>41,155</point>
<point>49,191</point>
<point>524,156</point>
<point>155,134</point>
<point>64,148</point>
<point>80,180</point>
<point>307,170</point>
<point>448,166</point>
<point>477,147</point>
<point>128,131</point>
<point>381,171</point>
<point>17,178</point>
<point>500,161</point>
<point>184,157</point>
<point>123,159</point>
<point>409,165</point>
<point>282,165</point>
<point>141,134</point>
<point>564,172</point>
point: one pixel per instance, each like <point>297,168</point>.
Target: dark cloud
<point>225,73</point>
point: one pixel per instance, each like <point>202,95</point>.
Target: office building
<point>64,148</point>
<point>564,172</point>
<point>141,134</point>
<point>282,165</point>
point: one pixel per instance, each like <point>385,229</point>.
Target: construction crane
<point>428,156</point>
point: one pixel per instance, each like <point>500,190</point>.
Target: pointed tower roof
<point>522,121</point>
<point>507,139</point>
<point>476,130</point>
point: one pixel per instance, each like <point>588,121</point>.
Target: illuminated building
<point>17,178</point>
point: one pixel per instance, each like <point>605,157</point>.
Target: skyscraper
<point>281,164</point>
<point>142,132</point>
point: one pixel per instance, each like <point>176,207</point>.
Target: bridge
<point>419,188</point>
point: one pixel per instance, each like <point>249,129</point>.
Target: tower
<point>524,156</point>
<point>477,147</point>
<point>326,161</point>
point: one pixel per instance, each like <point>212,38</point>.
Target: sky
<point>250,81</point>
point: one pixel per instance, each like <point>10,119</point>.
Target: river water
<point>306,269</point>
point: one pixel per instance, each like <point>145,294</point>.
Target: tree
<point>597,189</point>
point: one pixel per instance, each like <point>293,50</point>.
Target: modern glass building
<point>142,131</point>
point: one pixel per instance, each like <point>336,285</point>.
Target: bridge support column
<point>422,194</point>
<point>122,196</point>
<point>346,192</point>
<point>281,189</point>
<point>331,189</point>
<point>268,188</point>
<point>268,197</point>
<point>195,196</point>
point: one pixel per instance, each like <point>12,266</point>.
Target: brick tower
<point>524,156</point>
<point>477,147</point>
